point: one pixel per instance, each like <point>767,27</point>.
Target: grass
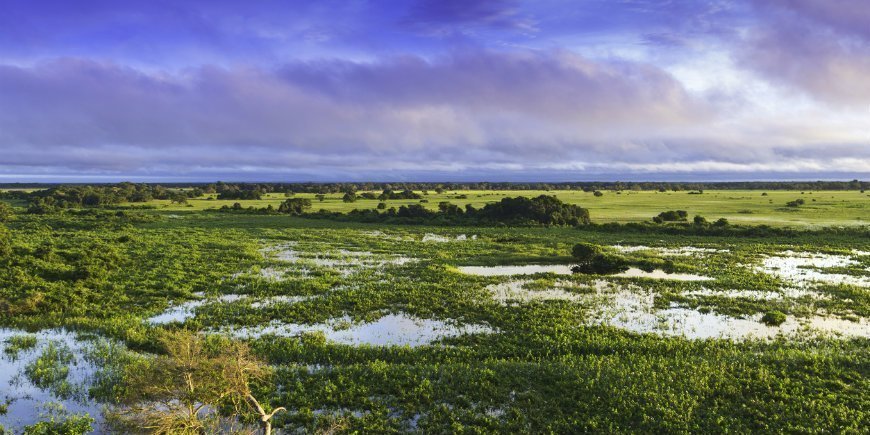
<point>51,369</point>
<point>822,208</point>
<point>548,369</point>
<point>18,343</point>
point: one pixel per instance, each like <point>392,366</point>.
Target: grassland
<point>750,207</point>
<point>308,296</point>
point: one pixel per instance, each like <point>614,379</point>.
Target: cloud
<point>471,107</point>
<point>820,48</point>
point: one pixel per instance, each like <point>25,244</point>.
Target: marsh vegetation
<point>197,321</point>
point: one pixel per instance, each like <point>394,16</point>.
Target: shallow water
<point>28,400</point>
<point>661,274</point>
<point>676,252</point>
<point>389,330</point>
<point>631,308</point>
<point>187,310</point>
<point>429,237</point>
<point>635,312</point>
<point>527,269</point>
<point>515,291</point>
<point>344,261</point>
<point>184,311</point>
<point>564,269</point>
<point>785,293</point>
<point>803,268</point>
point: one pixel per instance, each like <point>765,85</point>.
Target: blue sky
<point>554,90</point>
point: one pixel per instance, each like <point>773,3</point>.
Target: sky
<point>434,90</point>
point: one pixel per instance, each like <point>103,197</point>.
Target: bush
<point>598,193</point>
<point>774,318</point>
<point>593,259</point>
<point>671,216</point>
<point>796,203</point>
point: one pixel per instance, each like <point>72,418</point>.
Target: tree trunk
<point>267,427</point>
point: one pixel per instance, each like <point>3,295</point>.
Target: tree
<point>182,390</point>
<point>349,197</point>
<point>178,198</point>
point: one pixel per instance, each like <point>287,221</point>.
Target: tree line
<point>240,190</point>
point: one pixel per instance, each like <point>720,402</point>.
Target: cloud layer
<point>489,90</point>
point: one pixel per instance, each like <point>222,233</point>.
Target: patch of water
<point>514,291</point>
<point>801,267</point>
<point>429,237</point>
<point>186,310</point>
<point>382,235</point>
<point>280,299</point>
<point>635,312</point>
<point>526,269</point>
<point>564,269</point>
<point>27,400</point>
<point>684,251</point>
<point>281,252</point>
<point>784,293</point>
<point>661,274</point>
<point>389,330</point>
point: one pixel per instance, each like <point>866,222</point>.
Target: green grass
<point>823,208</point>
<point>17,343</point>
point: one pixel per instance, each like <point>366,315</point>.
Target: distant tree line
<point>78,196</point>
<point>246,189</point>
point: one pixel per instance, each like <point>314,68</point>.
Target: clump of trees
<point>405,194</point>
<point>796,203</point>
<point>294,206</point>
<point>544,209</point>
<point>197,385</point>
<point>671,216</point>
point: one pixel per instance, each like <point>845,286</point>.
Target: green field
<point>822,208</point>
<point>374,328</point>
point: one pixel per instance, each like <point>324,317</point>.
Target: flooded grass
<point>55,371</point>
<point>806,267</point>
<point>373,329</point>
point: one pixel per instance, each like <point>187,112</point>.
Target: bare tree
<point>181,391</point>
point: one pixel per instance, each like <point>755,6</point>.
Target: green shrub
<point>774,318</point>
